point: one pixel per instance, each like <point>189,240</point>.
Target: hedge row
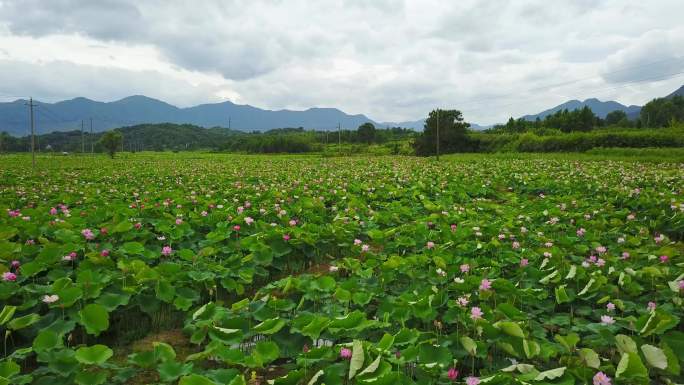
<point>575,142</point>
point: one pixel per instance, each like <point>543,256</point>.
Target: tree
<point>617,117</point>
<point>366,132</point>
<point>660,112</point>
<point>452,133</point>
<point>111,141</point>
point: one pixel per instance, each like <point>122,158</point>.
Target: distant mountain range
<point>67,115</point>
<point>601,109</point>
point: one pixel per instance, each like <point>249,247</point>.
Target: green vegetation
<point>446,127</point>
<point>663,112</point>
<point>554,141</point>
<point>197,268</point>
<point>111,141</point>
<point>175,137</point>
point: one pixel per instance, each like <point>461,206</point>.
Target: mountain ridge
<point>68,114</point>
<point>600,108</point>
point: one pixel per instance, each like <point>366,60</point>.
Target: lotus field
<point>223,269</point>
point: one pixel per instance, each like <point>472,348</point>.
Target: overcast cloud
<point>389,59</point>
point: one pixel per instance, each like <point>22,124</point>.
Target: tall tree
<point>366,132</point>
<point>452,133</point>
<point>111,141</point>
<point>617,117</point>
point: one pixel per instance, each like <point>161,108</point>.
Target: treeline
<point>658,113</point>
<point>186,137</point>
<point>660,124</point>
<point>298,140</point>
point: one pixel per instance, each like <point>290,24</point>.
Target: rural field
<point>200,269</point>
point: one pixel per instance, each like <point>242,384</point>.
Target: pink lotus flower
<point>345,353</point>
<point>485,285</point>
<point>581,231</point>
<point>601,378</point>
<point>15,264</point>
<point>305,348</point>
<point>515,245</point>
<point>204,213</point>
<point>651,306</point>
<point>607,320</point>
<point>53,211</point>
<point>104,231</point>
<point>357,242</point>
<point>179,221</point>
<point>9,277</point>
<point>430,245</point>
<point>286,237</point>
<point>166,251</point>
<point>236,228</point>
<point>452,374</point>
<point>476,313</point>
<point>365,248</point>
<point>502,236</point>
<point>472,381</point>
<point>524,262</point>
<point>664,258</point>
<point>600,262</point>
<point>610,306</point>
<point>249,220</point>
<point>138,225</point>
<point>625,255</point>
<point>462,301</point>
<point>465,268</point>
<point>88,234</point>
<point>292,222</point>
<point>681,285</point>
<point>104,253</point>
<point>601,249</point>
<point>453,227</point>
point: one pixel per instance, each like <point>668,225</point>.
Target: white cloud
<point>389,59</point>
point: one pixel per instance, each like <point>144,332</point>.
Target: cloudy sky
<point>392,60</point>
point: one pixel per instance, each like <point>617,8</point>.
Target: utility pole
<point>82,139</point>
<point>92,145</point>
<point>229,122</point>
<point>339,138</point>
<point>438,134</point>
<point>33,133</point>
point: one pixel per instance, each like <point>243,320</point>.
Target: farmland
<point>203,269</point>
